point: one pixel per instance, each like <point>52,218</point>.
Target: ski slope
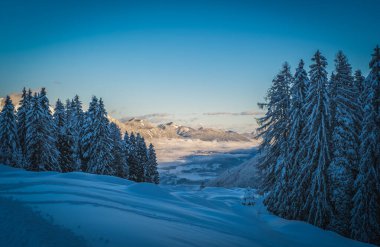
<point>78,209</point>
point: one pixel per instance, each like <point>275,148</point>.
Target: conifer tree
<point>274,129</point>
<point>298,120</point>
<point>132,158</point>
<point>10,153</point>
<point>119,162</point>
<point>142,158</point>
<point>25,103</point>
<point>96,141</point>
<point>42,153</point>
<point>311,181</point>
<point>127,144</point>
<point>75,125</point>
<point>63,142</point>
<point>344,161</point>
<point>278,132</point>
<point>151,173</point>
<point>365,221</point>
<point>87,133</point>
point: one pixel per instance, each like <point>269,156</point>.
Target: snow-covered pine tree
<point>275,134</point>
<point>142,157</point>
<point>21,118</point>
<point>75,119</point>
<point>297,123</point>
<point>132,158</point>
<point>151,173</point>
<point>127,144</point>
<point>10,152</point>
<point>365,221</point>
<point>341,171</point>
<point>42,153</point>
<point>311,181</point>
<point>119,163</point>
<point>87,132</point>
<point>272,128</point>
<point>72,135</point>
<point>100,143</point>
<point>63,140</point>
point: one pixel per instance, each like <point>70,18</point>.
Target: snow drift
<point>45,208</point>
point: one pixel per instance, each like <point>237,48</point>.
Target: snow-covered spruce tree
<point>151,173</point>
<point>99,142</point>
<point>21,118</point>
<point>365,221</point>
<point>75,119</point>
<point>297,123</point>
<point>63,141</point>
<point>10,152</point>
<point>274,130</point>
<point>127,144</point>
<point>132,158</point>
<point>142,157</point>
<point>311,183</point>
<point>41,151</point>
<point>344,139</point>
<point>119,163</point>
<point>87,132</point>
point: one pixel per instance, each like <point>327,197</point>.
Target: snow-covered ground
<point>196,161</point>
<point>74,209</point>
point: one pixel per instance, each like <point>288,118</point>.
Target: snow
<point>200,165</point>
<point>50,208</point>
<point>244,175</point>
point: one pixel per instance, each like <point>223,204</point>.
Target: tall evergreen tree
<point>274,129</point>
<point>119,162</point>
<point>75,126</point>
<point>10,152</point>
<point>63,142</point>
<point>142,158</point>
<point>133,161</point>
<point>151,173</point>
<point>25,103</point>
<point>42,153</point>
<point>87,132</point>
<point>311,181</point>
<point>127,144</point>
<point>100,143</point>
<point>365,222</point>
<point>344,161</point>
<point>298,119</point>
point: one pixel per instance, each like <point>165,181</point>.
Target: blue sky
<point>176,57</point>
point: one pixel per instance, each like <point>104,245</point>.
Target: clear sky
<point>176,57</point>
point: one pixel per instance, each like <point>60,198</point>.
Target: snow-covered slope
<point>244,175</point>
<point>42,209</point>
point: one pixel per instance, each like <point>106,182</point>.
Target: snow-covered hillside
<point>74,209</point>
<point>243,175</point>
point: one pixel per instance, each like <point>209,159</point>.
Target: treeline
<point>321,140</point>
<point>71,140</point>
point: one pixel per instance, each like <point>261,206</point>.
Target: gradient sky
<point>177,57</point>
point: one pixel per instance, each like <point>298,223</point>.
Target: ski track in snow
<point>52,209</point>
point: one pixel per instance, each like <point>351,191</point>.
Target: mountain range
<point>173,131</point>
